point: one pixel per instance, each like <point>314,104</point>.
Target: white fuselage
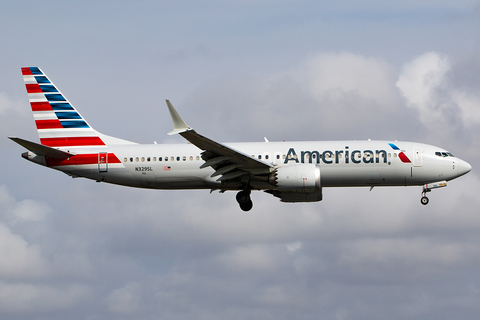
<point>342,163</point>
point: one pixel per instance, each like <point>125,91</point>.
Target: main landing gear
<point>243,199</point>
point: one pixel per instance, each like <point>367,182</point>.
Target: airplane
<point>290,171</point>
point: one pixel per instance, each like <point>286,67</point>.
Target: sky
<point>240,71</point>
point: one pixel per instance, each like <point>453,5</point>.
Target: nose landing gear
<point>428,187</point>
<point>424,200</point>
<point>243,199</point>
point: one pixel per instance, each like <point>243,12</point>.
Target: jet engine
<point>297,183</point>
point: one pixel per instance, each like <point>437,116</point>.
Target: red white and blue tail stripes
<point>57,121</point>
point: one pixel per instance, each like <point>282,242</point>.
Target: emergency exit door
<point>103,162</point>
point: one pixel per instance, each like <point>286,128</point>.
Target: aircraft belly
<point>343,176</point>
<point>183,179</point>
<point>180,183</point>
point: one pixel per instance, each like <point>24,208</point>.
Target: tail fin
<point>57,121</point>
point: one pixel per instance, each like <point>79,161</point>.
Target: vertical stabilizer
<point>58,123</point>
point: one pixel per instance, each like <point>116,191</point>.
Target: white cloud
<point>251,257</point>
<point>470,106</point>
<point>294,246</point>
<point>421,75</point>
<point>19,259</point>
<point>427,86</point>
<point>21,211</point>
<point>419,80</point>
<point>336,74</point>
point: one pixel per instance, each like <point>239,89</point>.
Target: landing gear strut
<point>243,199</point>
<point>424,200</point>
<point>428,187</point>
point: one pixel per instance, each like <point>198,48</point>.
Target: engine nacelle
<point>298,183</point>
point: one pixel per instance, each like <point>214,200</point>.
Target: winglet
<point>179,125</point>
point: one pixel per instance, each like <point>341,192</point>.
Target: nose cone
<point>463,167</point>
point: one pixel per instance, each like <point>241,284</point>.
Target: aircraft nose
<point>463,167</point>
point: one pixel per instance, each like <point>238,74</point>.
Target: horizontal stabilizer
<point>41,150</point>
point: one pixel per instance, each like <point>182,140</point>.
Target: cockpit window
<point>444,154</point>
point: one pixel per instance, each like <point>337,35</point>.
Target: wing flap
<point>218,149</point>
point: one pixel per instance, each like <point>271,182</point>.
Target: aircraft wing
<point>227,162</point>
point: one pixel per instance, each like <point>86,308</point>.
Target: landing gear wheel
<point>246,206</point>
<point>243,199</point>
<point>243,196</point>
<point>424,200</point>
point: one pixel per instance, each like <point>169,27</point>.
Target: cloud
<point>342,73</point>
<point>125,300</point>
<point>19,259</point>
<point>428,84</point>
<point>134,253</point>
<point>21,211</point>
<point>9,105</point>
<point>26,268</point>
<point>423,84</point>
<point>326,96</point>
<point>26,299</point>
